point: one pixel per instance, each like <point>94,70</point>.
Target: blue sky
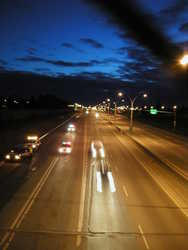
<point>72,38</point>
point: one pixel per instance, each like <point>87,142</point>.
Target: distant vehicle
<point>97,115</point>
<point>65,147</point>
<point>71,128</point>
<point>19,153</point>
<point>97,149</point>
<point>33,142</point>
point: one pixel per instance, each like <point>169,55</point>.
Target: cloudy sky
<point>62,38</point>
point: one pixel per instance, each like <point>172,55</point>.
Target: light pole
<point>174,111</point>
<point>132,101</point>
<point>108,101</point>
<point>184,60</point>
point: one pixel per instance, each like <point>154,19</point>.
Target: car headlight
<point>17,157</point>
<point>60,150</point>
<point>7,157</point>
<point>68,150</point>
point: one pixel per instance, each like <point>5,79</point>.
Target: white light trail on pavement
<point>111,182</point>
<point>99,182</point>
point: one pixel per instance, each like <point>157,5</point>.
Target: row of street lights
<point>132,102</point>
<point>183,61</point>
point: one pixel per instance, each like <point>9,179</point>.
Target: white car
<point>97,149</point>
<point>71,128</point>
<point>65,148</point>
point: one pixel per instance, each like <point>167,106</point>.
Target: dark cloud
<point>30,59</point>
<point>69,64</point>
<point>92,42</point>
<point>184,27</point>
<point>42,69</point>
<point>67,45</point>
<point>183,45</point>
<point>31,51</point>
<point>71,46</point>
<point>80,88</point>
<point>141,67</point>
<point>7,5</point>
<point>3,62</point>
<point>176,8</point>
<point>141,27</point>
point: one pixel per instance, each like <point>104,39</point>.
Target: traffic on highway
<point>94,125</point>
<point>97,188</point>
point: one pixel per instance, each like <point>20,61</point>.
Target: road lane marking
<point>125,191</point>
<point>111,182</point>
<point>83,188</point>
<point>7,238</point>
<point>53,129</point>
<point>152,172</point>
<point>143,237</point>
<point>99,181</point>
<point>176,168</point>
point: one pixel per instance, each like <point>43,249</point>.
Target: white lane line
<point>51,130</point>
<point>99,182</point>
<point>176,168</point>
<point>111,182</point>
<point>83,189</point>
<point>143,237</point>
<point>125,191</point>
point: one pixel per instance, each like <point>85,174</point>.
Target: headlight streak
<point>99,182</point>
<point>102,152</point>
<point>111,182</point>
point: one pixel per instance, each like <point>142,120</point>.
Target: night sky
<point>77,50</point>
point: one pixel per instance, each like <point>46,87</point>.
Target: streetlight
<point>184,60</point>
<point>108,101</point>
<point>132,101</point>
<point>163,107</point>
<point>120,94</point>
<point>174,111</point>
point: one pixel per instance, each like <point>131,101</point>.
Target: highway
<point>65,202</point>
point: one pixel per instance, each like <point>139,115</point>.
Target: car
<point>33,142</point>
<point>71,128</point>
<point>19,153</point>
<point>97,115</point>
<point>97,149</point>
<point>65,147</point>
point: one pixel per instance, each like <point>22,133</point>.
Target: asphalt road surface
<point>66,202</point>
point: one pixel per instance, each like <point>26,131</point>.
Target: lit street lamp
<point>184,60</point>
<point>132,101</point>
<point>174,111</point>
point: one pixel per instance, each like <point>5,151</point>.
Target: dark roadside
<point>164,121</point>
